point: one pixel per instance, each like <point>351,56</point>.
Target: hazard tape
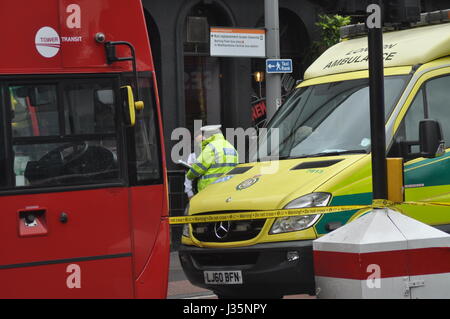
<point>383,203</point>
<point>278,213</point>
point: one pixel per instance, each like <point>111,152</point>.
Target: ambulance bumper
<point>268,270</point>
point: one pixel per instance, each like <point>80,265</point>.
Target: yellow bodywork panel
<point>353,76</point>
<point>394,168</point>
<point>273,185</point>
<point>401,48</point>
<point>277,183</point>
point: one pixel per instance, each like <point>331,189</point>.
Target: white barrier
<point>383,254</point>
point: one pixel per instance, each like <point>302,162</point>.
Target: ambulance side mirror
<point>431,141</point>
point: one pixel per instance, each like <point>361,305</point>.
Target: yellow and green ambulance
<point>324,160</point>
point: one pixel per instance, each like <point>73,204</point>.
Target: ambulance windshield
<point>326,119</point>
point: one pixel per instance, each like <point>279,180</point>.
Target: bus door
<point>65,227</point>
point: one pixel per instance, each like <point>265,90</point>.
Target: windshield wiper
<point>323,154</point>
<point>339,153</point>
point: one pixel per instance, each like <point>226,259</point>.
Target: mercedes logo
<point>221,229</point>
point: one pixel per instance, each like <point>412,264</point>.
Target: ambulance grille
<point>228,231</point>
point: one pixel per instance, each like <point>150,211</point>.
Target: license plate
<point>223,277</point>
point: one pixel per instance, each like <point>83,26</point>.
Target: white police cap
<point>210,128</point>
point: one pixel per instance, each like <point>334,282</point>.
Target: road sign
<point>238,42</point>
<point>279,66</point>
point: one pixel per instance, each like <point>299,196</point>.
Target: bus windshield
<point>326,119</point>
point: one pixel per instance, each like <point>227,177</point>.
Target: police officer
<point>217,157</point>
<point>189,186</point>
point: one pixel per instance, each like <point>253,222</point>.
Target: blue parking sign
<point>279,66</point>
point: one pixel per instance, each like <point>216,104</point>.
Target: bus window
<point>89,108</point>
<point>146,161</point>
<point>80,143</point>
<point>3,147</point>
<point>34,111</point>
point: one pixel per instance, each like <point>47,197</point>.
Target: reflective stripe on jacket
<point>218,157</point>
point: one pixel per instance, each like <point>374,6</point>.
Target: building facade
<point>195,86</point>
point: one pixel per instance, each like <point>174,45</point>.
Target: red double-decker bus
<point>83,190</point>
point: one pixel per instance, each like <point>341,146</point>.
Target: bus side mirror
<point>129,105</point>
<point>431,141</point>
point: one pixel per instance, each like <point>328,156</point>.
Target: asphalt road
<point>180,287</point>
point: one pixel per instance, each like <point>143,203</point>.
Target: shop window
<point>197,35</point>
<point>204,75</point>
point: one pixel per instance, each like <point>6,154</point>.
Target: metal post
<point>273,81</point>
<point>376,83</point>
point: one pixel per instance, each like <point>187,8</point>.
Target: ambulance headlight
<point>296,223</point>
<point>310,200</point>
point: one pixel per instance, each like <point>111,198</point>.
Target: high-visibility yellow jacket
<point>218,157</point>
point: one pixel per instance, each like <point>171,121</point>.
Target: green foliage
<point>330,35</point>
<point>330,25</point>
